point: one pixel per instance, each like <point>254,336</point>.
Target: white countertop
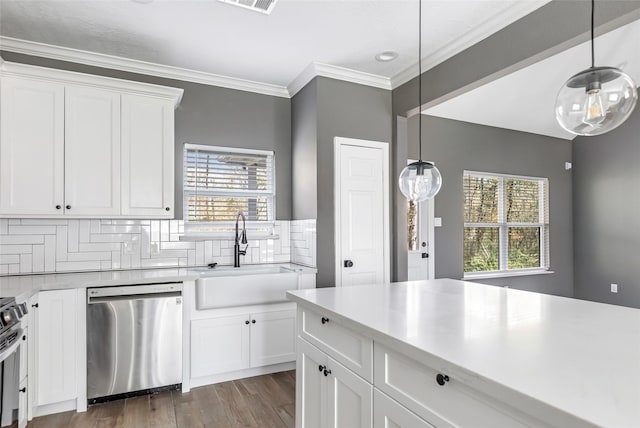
<point>23,286</point>
<point>577,356</point>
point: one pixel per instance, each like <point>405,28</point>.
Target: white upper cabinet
<point>78,145</point>
<point>147,156</point>
<point>31,147</point>
<point>92,151</point>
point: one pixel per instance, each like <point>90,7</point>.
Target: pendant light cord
<point>420,78</point>
<point>593,54</point>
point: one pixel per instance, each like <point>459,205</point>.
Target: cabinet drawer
<point>346,346</point>
<point>415,386</point>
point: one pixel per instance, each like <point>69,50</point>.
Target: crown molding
<point>135,66</point>
<point>491,26</point>
<point>71,77</point>
<point>339,73</point>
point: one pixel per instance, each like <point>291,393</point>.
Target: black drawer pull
<point>327,372</point>
<point>321,367</point>
<point>35,305</point>
<point>24,389</point>
<point>324,320</point>
<point>247,322</point>
<point>442,379</point>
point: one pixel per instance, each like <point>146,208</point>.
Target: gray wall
<point>457,146</point>
<point>214,116</point>
<point>336,109</point>
<point>344,110</point>
<point>606,206</point>
<point>304,142</point>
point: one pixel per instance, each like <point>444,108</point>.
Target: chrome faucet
<point>240,238</point>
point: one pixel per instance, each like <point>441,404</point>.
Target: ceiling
<point>525,99</point>
<point>213,37</point>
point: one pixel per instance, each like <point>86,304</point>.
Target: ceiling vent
<point>262,6</point>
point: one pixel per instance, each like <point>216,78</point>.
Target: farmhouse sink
<point>226,287</point>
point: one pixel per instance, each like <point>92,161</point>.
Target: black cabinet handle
<point>35,305</point>
<point>247,322</point>
<point>253,321</point>
<point>58,207</point>
<point>321,367</point>
<point>167,209</point>
<point>442,379</point>
<point>324,320</point>
<point>348,263</point>
<point>68,207</point>
<point>24,389</point>
<point>327,372</point>
<point>24,337</point>
<point>425,255</point>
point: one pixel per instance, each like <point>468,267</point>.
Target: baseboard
<point>241,374</point>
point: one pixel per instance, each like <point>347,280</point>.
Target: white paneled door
<point>362,212</point>
<point>92,151</point>
<point>31,147</point>
<point>420,258</point>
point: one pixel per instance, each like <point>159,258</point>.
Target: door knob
<point>348,263</point>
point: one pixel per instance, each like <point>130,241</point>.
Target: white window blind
<point>219,182</point>
<point>506,223</point>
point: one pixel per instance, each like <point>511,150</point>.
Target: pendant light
<point>597,99</point>
<point>420,180</point>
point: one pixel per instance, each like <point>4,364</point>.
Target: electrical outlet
<point>614,288</point>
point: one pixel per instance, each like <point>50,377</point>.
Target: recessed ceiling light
<point>386,56</point>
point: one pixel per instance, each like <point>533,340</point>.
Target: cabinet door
<point>273,338</point>
<point>56,347</point>
<point>22,403</point>
<point>147,157</point>
<point>31,147</point>
<point>92,152</point>
<point>219,345</point>
<point>311,386</point>
<point>349,398</point>
<point>387,413</point>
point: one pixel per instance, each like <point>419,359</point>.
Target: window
<point>506,223</point>
<point>219,182</point>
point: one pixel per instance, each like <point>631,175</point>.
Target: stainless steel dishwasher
<point>134,340</point>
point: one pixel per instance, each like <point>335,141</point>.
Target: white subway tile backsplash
<point>15,249</point>
<point>61,245</point>
<point>21,239</point>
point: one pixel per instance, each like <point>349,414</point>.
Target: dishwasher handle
<point>129,297</point>
<point>133,291</point>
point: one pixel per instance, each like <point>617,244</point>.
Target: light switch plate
<point>437,222</point>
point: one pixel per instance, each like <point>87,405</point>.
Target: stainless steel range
<point>10,329</point>
<point>11,334</point>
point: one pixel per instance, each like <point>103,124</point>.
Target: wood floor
<point>262,401</point>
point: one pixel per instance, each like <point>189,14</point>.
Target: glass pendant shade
<point>596,101</point>
<point>420,181</point>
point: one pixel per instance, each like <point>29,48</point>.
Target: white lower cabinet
<point>328,394</point>
<point>219,345</point>
<point>388,413</point>
<point>230,343</point>
<point>55,351</point>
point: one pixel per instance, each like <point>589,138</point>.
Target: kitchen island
<point>453,353</point>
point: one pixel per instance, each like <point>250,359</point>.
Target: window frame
<point>503,227</point>
<point>223,227</point>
